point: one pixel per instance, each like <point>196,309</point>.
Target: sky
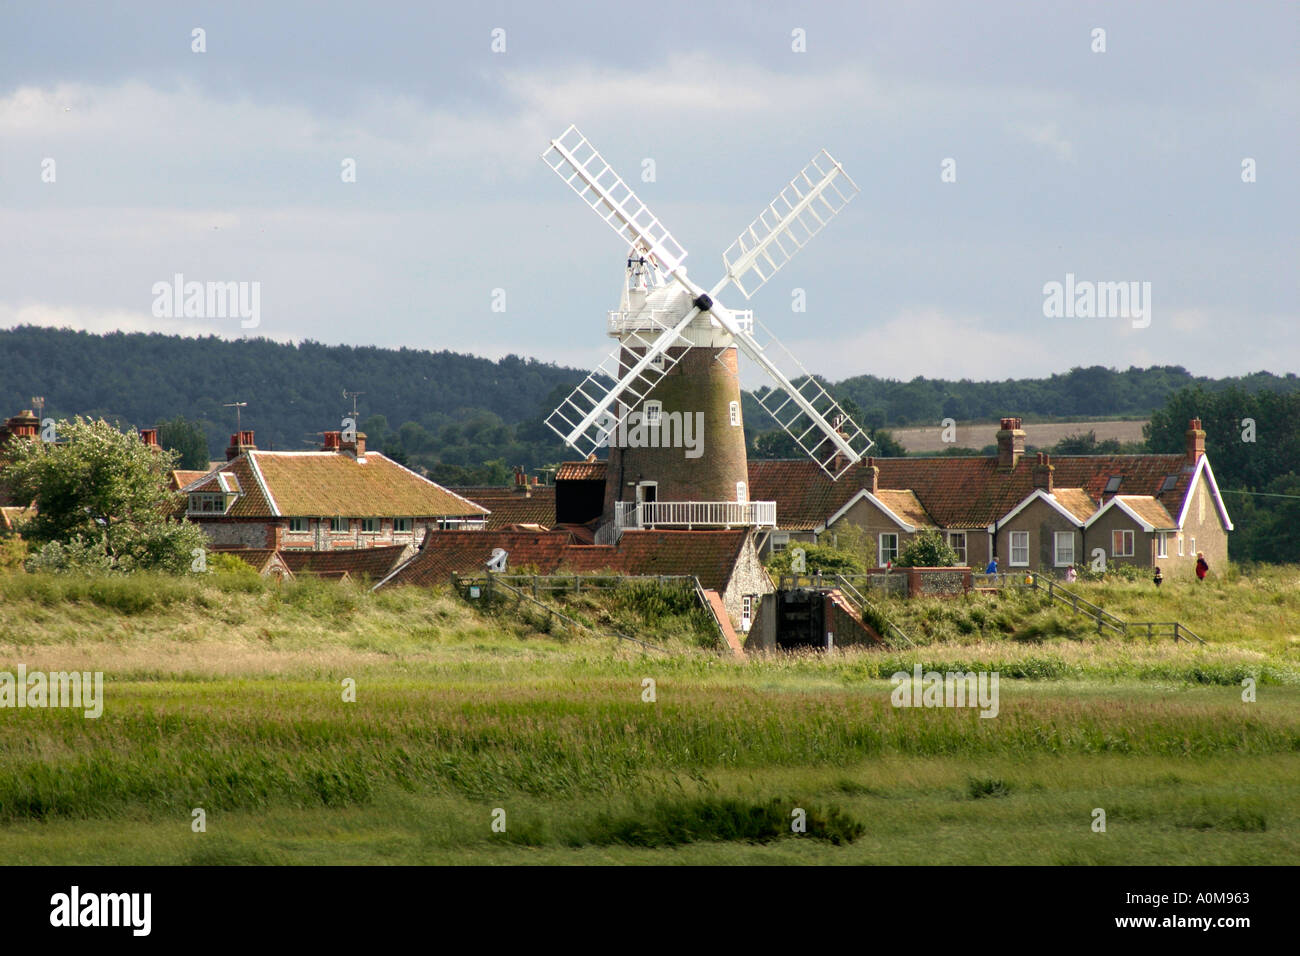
<point>998,149</point>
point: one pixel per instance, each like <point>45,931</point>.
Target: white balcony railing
<point>694,514</point>
<point>657,320</point>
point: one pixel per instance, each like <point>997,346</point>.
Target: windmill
<point>677,341</point>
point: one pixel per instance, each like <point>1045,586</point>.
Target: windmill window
<point>657,361</point>
<point>740,492</point>
<point>654,412</point>
<point>735,414</point>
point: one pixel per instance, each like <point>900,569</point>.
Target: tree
<point>818,558</point>
<point>927,550</point>
<point>101,501</point>
<point>187,439</point>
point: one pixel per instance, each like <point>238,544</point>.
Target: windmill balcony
<point>694,514</point>
<point>657,320</point>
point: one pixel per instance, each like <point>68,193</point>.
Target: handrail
<point>856,595</point>
<point>708,606</point>
<point>641,514</point>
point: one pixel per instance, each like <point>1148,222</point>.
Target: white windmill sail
<point>799,404</point>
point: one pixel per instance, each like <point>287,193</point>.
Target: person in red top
<point>1202,566</point>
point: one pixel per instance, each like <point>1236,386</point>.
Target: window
<point>1121,544</point>
<point>369,525</point>
<point>657,361</point>
<point>1170,481</point>
<point>888,549</point>
<point>746,611</point>
<point>207,503</point>
<point>740,492</point>
<point>734,408</point>
<point>402,525</point>
<point>1020,549</point>
<point>654,412</point>
<point>1112,486</point>
<point>339,525</point>
<point>1180,545</point>
<point>298,525</point>
<point>957,541</point>
<point>1192,549</point>
<point>1063,546</point>
<point>1162,544</point>
<point>780,540</point>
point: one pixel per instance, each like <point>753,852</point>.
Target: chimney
<point>333,441</point>
<point>149,436</point>
<point>240,442</point>
<point>871,476</point>
<point>1043,469</point>
<point>357,446</point>
<point>521,483</point>
<point>23,425</point>
<point>1011,445</point>
<point>1195,441</point>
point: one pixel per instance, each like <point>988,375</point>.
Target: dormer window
<point>210,503</point>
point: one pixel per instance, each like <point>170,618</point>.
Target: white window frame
<point>742,492</point>
<point>780,540</point>
<point>1162,544</point>
<point>1057,536</point>
<point>1127,536</point>
<point>961,552</point>
<point>1192,550</point>
<point>1180,544</point>
<point>1011,547</point>
<point>652,414</point>
<point>733,410</point>
<point>880,548</point>
<point>299,526</point>
<point>657,361</point>
<point>372,525</point>
<point>402,525</point>
<point>746,611</point>
<point>334,525</point>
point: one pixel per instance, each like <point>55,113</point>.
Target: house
<point>340,497</point>
<point>1040,514</point>
<point>525,503</point>
<point>724,561</point>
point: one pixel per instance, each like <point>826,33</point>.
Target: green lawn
<point>227,696</point>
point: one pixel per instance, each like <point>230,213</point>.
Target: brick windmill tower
<point>666,401</point>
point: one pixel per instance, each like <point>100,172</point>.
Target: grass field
<point>227,695</point>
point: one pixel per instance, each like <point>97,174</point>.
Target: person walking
<point>993,566</point>
<point>1202,566</point>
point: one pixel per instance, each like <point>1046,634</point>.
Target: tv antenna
<point>353,396</point>
<point>236,406</point>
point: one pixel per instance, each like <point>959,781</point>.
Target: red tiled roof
<point>956,492</point>
<point>581,471</point>
<point>509,507</point>
<point>711,555</point>
<point>358,562</point>
<point>327,483</point>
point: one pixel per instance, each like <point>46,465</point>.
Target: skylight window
<point>1112,485</point>
<point>1170,481</point>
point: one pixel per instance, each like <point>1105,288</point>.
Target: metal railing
<point>854,595</point>
<point>620,322</point>
<point>694,514</point>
